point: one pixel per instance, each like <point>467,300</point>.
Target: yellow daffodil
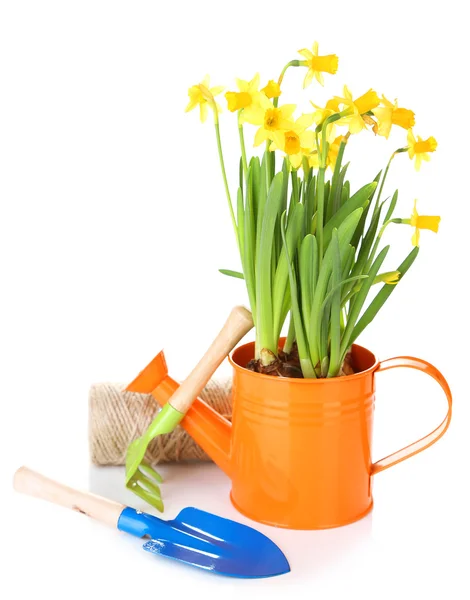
<point>203,95</point>
<point>317,65</point>
<point>320,114</point>
<point>272,89</point>
<point>358,108</point>
<point>246,96</point>
<point>333,149</point>
<point>389,114</point>
<point>419,149</point>
<point>269,118</point>
<point>431,223</point>
<point>420,222</point>
<point>296,142</point>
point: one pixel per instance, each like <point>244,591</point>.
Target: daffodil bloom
<point>317,65</point>
<point>272,89</point>
<point>357,108</point>
<point>333,150</point>
<point>389,114</point>
<point>320,114</point>
<point>246,96</point>
<point>269,118</point>
<point>420,222</point>
<point>296,142</point>
<point>419,149</point>
<point>203,96</point>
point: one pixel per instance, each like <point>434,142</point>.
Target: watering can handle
<point>238,324</point>
<point>421,365</point>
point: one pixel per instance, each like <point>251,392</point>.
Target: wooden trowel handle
<point>237,325</point>
<point>29,482</point>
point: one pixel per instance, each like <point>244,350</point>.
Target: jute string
<point>117,417</point>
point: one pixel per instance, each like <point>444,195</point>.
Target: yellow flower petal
<point>254,83</point>
<point>287,110</point>
<point>215,91</point>
<point>296,160</point>
<point>278,139</point>
<point>356,124</point>
<point>308,78</point>
<point>260,136</point>
<point>203,112</point>
<point>319,77</point>
<point>384,117</point>
<point>253,114</point>
<point>306,53</point>
<point>272,89</point>
<point>415,238</point>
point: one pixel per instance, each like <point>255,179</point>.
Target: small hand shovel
<point>195,537</point>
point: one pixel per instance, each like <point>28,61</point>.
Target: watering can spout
<point>207,427</point>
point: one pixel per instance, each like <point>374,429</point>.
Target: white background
<point>113,225</point>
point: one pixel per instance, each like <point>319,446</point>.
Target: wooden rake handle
<point>34,484</point>
<point>237,325</point>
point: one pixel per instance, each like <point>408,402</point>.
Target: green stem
<point>320,211</point>
<point>292,63</point>
<point>224,175</point>
<point>242,143</point>
<point>384,178</point>
<point>376,245</point>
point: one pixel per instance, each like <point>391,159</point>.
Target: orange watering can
<point>298,451</point>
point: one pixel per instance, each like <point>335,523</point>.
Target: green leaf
<point>231,273</point>
<point>308,273</point>
<point>310,203</point>
<point>255,185</point>
<point>362,224</point>
<point>382,297</point>
<point>391,208</point>
<point>335,315</point>
<point>262,197</point>
<point>249,244</point>
<point>345,192</point>
<point>359,302</point>
<point>292,235</point>
<point>348,262</point>
<point>264,283</point>
<point>241,224</point>
<point>339,286</point>
<point>358,200</point>
<point>365,255</point>
<point>337,180</point>
<point>306,366</point>
<point>345,233</point>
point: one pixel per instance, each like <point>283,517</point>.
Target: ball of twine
<point>117,417</point>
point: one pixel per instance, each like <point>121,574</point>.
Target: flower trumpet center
<point>272,119</point>
<point>325,64</point>
<point>428,145</point>
<point>403,118</point>
<point>238,100</point>
<point>291,143</point>
<point>426,222</point>
<point>367,102</point>
<point>272,89</point>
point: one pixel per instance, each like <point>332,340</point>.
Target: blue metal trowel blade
<point>204,540</point>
